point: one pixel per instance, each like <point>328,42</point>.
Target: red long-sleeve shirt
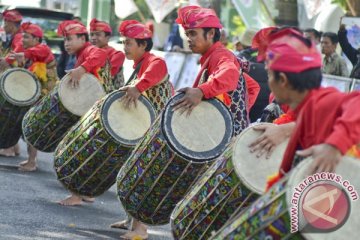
<point>39,53</point>
<point>324,116</point>
<point>116,58</point>
<point>91,58</point>
<point>153,69</point>
<point>223,71</point>
<point>16,45</point>
<point>253,89</point>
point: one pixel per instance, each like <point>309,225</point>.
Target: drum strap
<point>133,75</point>
<point>238,98</point>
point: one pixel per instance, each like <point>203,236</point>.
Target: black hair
<point>316,33</point>
<point>217,34</point>
<point>107,34</point>
<point>147,41</point>
<point>83,34</point>
<point>332,36</point>
<point>306,80</point>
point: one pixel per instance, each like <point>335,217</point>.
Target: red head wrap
<point>197,17</point>
<point>134,29</point>
<point>96,25</point>
<point>287,52</point>
<point>70,27</point>
<point>12,16</point>
<point>33,29</point>
<point>260,41</point>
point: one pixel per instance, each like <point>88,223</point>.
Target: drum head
<point>253,171</point>
<point>79,100</point>
<point>203,135</point>
<point>20,87</point>
<point>127,126</point>
<point>348,169</point>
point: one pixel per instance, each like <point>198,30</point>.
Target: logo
<point>321,203</point>
<point>325,208</point>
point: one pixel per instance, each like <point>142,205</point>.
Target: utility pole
<point>90,13</point>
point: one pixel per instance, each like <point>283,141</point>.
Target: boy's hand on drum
<point>131,97</point>
<point>325,157</point>
<point>19,57</point>
<point>189,101</point>
<point>75,76</point>
<point>271,137</point>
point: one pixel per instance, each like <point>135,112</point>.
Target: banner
<point>253,14</point>
<point>124,8</point>
<point>161,8</point>
<point>314,7</point>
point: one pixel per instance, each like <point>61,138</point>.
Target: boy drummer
<point>89,59</point>
<point>37,58</point>
<point>12,21</point>
<point>151,79</point>
<point>202,28</point>
<point>326,124</point>
<point>150,76</point>
<point>100,33</point>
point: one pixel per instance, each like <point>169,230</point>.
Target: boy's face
<point>73,43</point>
<point>29,40</point>
<point>9,26</point>
<point>133,51</point>
<point>197,41</point>
<point>99,39</point>
<point>279,87</point>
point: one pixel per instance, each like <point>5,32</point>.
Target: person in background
<point>12,27</point>
<point>245,41</point>
<point>224,37</point>
<point>100,33</point>
<point>174,42</point>
<point>351,53</point>
<point>66,61</point>
<point>333,64</point>
<point>314,35</point>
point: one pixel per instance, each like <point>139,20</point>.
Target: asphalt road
<point>29,209</point>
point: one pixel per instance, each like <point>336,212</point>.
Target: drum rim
<point>186,153</point>
<point>62,82</point>
<point>15,102</point>
<point>236,168</point>
<point>104,116</point>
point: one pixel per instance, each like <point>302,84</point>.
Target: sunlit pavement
<point>29,209</point>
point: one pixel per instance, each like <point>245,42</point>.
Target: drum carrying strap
<point>238,106</point>
<point>133,75</point>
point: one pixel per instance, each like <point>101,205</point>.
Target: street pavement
<point>29,209</point>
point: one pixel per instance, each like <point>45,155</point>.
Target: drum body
<point>269,216</point>
<point>19,89</point>
<point>174,152</point>
<point>233,182</point>
<point>89,157</point>
<point>46,123</point>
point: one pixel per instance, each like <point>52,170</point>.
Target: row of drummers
<point>169,164</point>
<point>167,172</point>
